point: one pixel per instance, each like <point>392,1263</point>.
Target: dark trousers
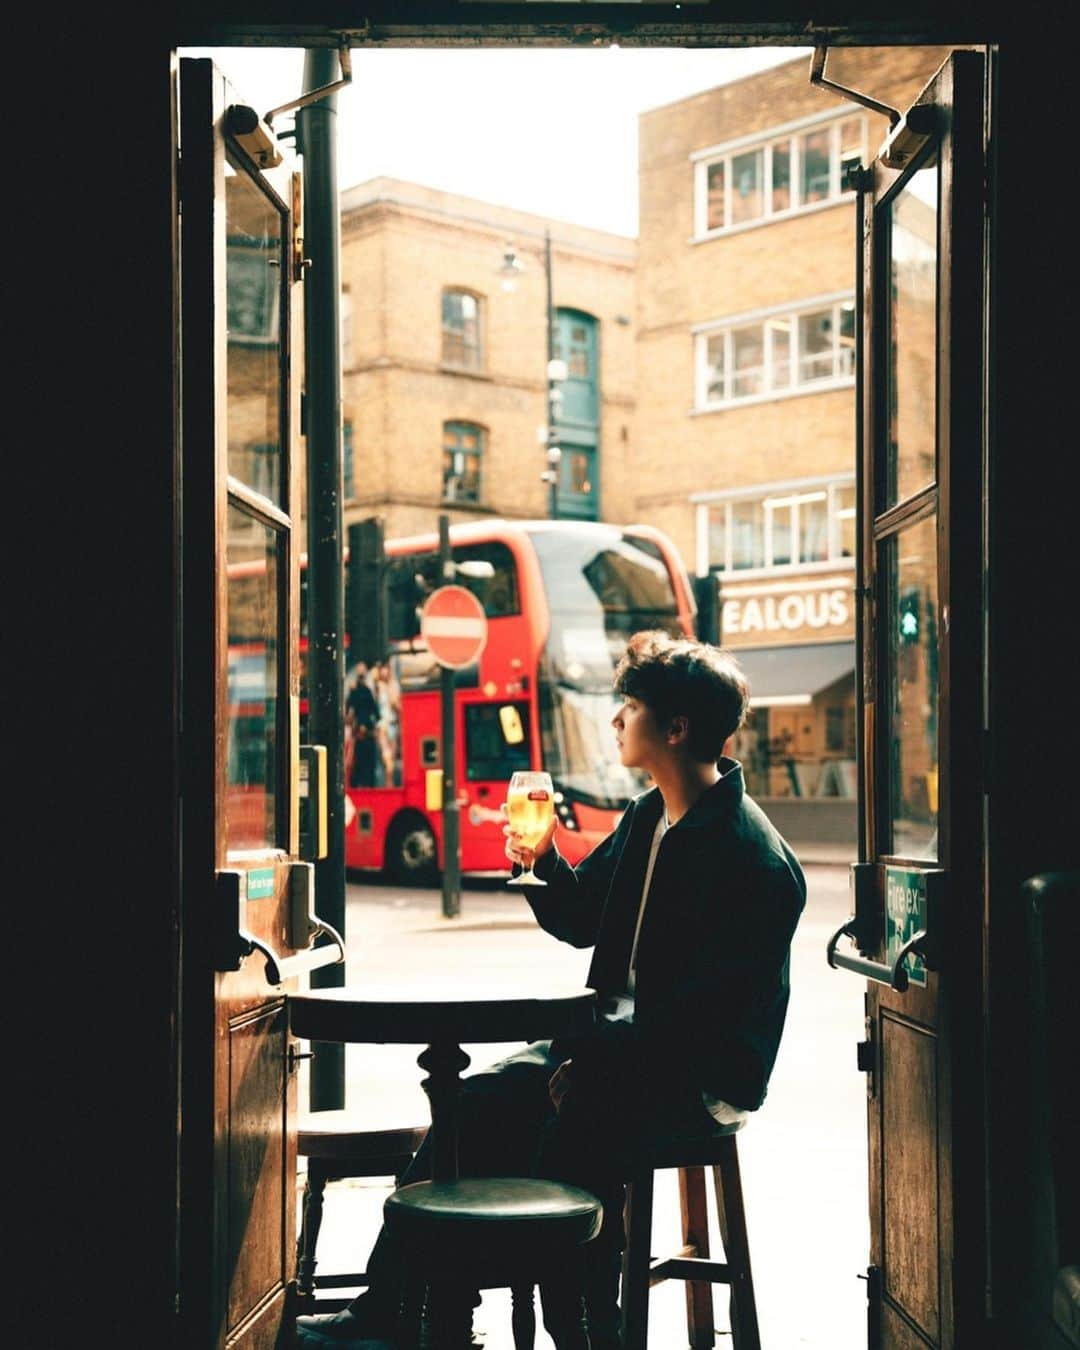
<point>508,1127</point>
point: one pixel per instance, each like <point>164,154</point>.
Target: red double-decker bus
<point>561,600</point>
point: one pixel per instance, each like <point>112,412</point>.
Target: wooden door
<point>248,907</point>
<point>918,922</point>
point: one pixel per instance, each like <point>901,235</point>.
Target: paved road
<point>803,1155</point>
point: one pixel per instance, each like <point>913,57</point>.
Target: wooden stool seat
<point>337,1149</point>
<point>690,1262</point>
<point>495,1232</point>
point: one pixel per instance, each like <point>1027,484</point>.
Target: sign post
<point>454,626</point>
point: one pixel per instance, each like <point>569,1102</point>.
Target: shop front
<point>795,640</point>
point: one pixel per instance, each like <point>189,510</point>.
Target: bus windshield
<point>602,585</point>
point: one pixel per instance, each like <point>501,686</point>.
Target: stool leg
<point>523,1316</point>
<point>695,1235</point>
<point>732,1216</point>
<point>310,1223</point>
<point>634,1295</point>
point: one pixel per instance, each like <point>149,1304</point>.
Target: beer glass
<point>530,804</point>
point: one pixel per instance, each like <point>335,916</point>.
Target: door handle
<point>282,968</point>
<point>895,976</point>
<point>235,942</point>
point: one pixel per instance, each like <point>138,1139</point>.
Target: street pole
<point>317,139</point>
<point>451,871</point>
<point>554,453</point>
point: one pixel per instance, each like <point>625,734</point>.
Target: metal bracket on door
<point>895,976</point>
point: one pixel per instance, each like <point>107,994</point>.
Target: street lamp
<point>556,368</point>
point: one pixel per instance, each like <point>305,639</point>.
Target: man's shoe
<point>343,1330</point>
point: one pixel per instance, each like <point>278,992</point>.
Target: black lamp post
<point>556,370</point>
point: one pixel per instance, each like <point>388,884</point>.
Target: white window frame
<point>774,496</point>
<point>785,314</point>
<point>701,160</point>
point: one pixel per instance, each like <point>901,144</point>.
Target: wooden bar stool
<point>691,1262</point>
<point>490,1233</point>
<point>336,1149</point>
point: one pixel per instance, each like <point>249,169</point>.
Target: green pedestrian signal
<point>909,616</point>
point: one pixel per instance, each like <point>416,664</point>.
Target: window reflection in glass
<point>748,182</point>
<point>747,534</point>
<point>747,355</point>
<point>909,565</point>
<point>253,684</point>
<point>912,336</point>
<point>813,527</point>
<point>461,344</point>
<point>815,346</point>
<point>254,277</point>
<point>815,166</point>
<point>463,446</point>
<point>781,175</point>
<point>714,217</point>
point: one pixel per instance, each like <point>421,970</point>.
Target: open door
<point>248,904</point>
<point>917,930</point>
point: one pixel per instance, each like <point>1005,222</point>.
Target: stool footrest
<point>355,1281</point>
<point>689,1268</point>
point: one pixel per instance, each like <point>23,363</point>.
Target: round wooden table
<point>441,1020</point>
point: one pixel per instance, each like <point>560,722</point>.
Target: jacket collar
<point>713,805</point>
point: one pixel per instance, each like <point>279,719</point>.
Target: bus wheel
<point>411,854</point>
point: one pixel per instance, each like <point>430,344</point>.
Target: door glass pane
<point>909,565</point>
<point>255,653</point>
<point>254,270</point>
<point>912,337</point>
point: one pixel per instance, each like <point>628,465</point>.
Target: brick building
<point>745,435</point>
<point>445,360</point>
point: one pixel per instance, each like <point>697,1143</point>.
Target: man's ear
<point>679,729</point>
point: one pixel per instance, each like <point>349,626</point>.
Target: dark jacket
<point>712,981</point>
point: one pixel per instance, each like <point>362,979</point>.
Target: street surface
<point>803,1154</point>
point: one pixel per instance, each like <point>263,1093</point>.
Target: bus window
<point>499,592</point>
<point>489,753</point>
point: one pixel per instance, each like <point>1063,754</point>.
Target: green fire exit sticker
<point>260,883</point>
<point>905,915</point>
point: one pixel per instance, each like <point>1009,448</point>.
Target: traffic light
<point>365,593</point>
<point>909,616</point>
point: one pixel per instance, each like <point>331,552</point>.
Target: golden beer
<point>530,805</point>
<point>530,814</point>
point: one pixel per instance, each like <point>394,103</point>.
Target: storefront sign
<point>770,612</point>
<point>905,915</point>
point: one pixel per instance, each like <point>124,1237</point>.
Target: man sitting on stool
<point>690,905</point>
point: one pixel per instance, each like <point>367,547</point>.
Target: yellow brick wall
<point>681,283</point>
<point>402,244</point>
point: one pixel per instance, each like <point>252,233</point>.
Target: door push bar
<point>235,942</point>
<point>864,929</point>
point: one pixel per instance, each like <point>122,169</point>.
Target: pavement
<point>803,1155</point>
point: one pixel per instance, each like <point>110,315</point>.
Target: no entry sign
<point>454,626</point>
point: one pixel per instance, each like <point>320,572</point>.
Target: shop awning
<point>793,675</point>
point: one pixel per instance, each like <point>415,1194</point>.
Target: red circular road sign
<point>454,626</point>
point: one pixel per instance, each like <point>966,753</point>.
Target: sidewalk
<point>803,1155</point>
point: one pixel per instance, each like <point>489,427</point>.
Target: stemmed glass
<point>530,805</point>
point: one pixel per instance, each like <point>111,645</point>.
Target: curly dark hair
<point>677,676</point>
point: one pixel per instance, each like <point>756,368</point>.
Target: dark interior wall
<point>95,517</point>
